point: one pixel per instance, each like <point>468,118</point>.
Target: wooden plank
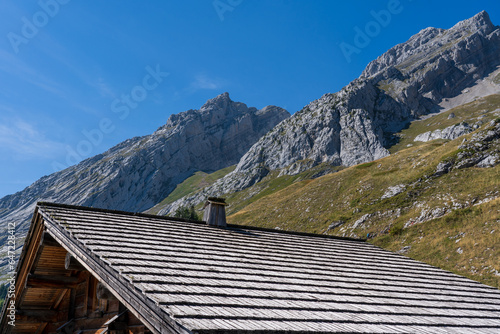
<point>366,291</point>
<point>55,282</point>
<point>49,241</point>
<point>263,277</point>
<point>36,316</point>
<point>39,296</point>
<point>326,316</point>
<point>70,263</point>
<point>347,264</point>
<point>26,327</point>
<point>151,315</point>
<point>382,306</point>
<point>28,257</point>
<point>60,299</point>
<point>315,242</point>
<point>41,328</point>
<point>235,277</point>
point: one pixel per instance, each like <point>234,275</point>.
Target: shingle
<point>251,279</point>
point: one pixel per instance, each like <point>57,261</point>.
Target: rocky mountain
<point>139,172</point>
<point>437,202</point>
<point>440,84</point>
<point>425,75</point>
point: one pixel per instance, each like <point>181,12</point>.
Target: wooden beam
<point>68,327</point>
<point>41,328</point>
<point>72,304</point>
<point>86,296</point>
<point>70,263</point>
<point>57,282</point>
<point>60,298</point>
<point>30,316</point>
<point>103,293</point>
<point>27,257</point>
<point>117,323</point>
<point>48,240</point>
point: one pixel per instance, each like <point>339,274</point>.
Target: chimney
<point>215,212</point>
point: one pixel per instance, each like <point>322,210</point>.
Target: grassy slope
<point>479,110</point>
<point>467,242</point>
<point>270,185</point>
<point>354,196</point>
<point>198,181</point>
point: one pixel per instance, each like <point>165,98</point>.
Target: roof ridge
<point>229,226</point>
<point>127,213</point>
<point>306,234</point>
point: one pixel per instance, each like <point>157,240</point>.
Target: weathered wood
<point>92,301</point>
<point>144,309</point>
<point>252,279</point>
<point>67,327</point>
<point>39,252</point>
<point>28,257</point>
<point>28,316</point>
<point>103,293</point>
<point>48,240</point>
<point>41,328</point>
<point>28,328</point>
<point>70,263</point>
<point>56,282</point>
<point>60,299</point>
<point>86,297</point>
<point>72,304</point>
<point>215,213</point>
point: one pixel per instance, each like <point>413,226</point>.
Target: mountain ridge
<point>139,172</point>
<point>420,42</point>
<point>357,124</point>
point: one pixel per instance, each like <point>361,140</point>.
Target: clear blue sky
<point>118,69</point>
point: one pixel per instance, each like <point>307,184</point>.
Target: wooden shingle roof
<point>187,277</point>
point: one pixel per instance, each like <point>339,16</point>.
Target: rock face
<point>480,151</point>
<point>354,125</point>
<point>140,172</point>
<point>451,132</point>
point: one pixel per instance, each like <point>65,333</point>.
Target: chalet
<point>85,270</point>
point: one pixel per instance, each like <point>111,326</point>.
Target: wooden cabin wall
<point>91,313</point>
<point>68,298</point>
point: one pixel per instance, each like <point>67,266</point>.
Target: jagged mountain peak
<point>224,102</point>
<point>221,104</point>
<point>430,43</point>
<point>480,21</point>
<point>218,109</point>
<point>137,173</point>
<point>220,101</point>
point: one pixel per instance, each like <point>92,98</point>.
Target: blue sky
<point>78,77</point>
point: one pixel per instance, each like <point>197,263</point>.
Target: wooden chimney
<point>215,212</point>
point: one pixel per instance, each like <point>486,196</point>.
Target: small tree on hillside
<point>186,213</point>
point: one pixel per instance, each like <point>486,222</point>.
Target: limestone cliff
<point>356,124</point>
<point>139,172</point>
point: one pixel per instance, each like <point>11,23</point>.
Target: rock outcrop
<point>139,172</point>
<point>450,133</point>
<point>355,125</point>
<point>480,151</point>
